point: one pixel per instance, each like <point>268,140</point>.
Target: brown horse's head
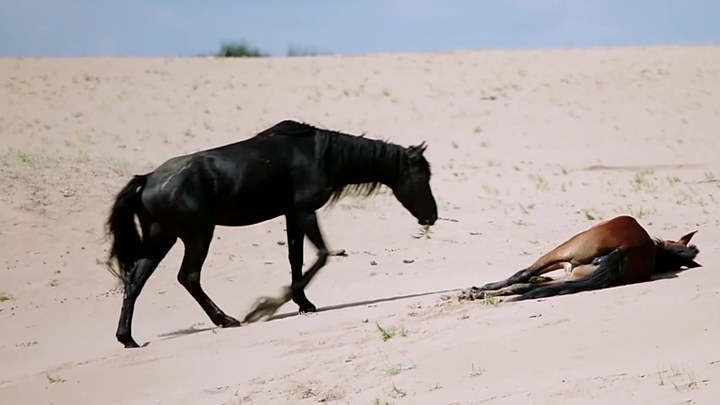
<point>673,256</point>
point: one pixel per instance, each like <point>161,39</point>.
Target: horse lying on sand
<point>611,253</point>
<point>291,169</point>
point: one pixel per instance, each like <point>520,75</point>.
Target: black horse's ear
<point>422,147</point>
<point>417,150</point>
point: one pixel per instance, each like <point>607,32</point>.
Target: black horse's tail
<point>126,241</point>
<point>606,275</point>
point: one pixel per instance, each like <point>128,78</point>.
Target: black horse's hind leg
<point>295,238</point>
<point>197,244</point>
<point>156,247</point>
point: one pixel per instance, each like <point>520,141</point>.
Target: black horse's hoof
<point>338,252</point>
<point>229,322</point>
<point>307,309</point>
<point>130,344</point>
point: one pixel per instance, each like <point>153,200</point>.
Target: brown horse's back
<point>624,233</point>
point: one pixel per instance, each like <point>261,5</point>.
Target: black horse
<point>290,169</point>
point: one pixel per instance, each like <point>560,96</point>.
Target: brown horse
<point>612,253</point>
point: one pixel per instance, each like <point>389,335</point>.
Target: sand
<point>527,148</point>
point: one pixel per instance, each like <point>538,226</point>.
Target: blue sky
<point>185,27</point>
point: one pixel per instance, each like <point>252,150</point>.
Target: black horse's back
<point>238,184</point>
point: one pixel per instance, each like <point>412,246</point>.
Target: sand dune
<point>527,148</point>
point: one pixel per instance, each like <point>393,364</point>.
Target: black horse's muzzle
<point>428,221</point>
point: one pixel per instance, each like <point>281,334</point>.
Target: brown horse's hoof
<point>471,294</point>
<point>539,279</point>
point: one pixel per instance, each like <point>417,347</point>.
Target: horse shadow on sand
<point>198,329</point>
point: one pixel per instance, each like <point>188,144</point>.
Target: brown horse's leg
<point>605,272</point>
<point>524,276</point>
<point>580,272</point>
<point>572,274</point>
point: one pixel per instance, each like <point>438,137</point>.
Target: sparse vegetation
<point>28,158</point>
<point>34,180</point>
<point>526,208</point>
<point>672,180</point>
<point>540,182</point>
<point>639,212</point>
<point>397,392</point>
<point>397,368</point>
<point>54,380</point>
<point>476,371</point>
<point>488,189</point>
<point>5,297</point>
<point>239,50</point>
<point>641,182</point>
<point>591,214</point>
<point>490,300</point>
<point>388,333</point>
<point>680,377</point>
<point>301,50</point>
<point>424,232</point>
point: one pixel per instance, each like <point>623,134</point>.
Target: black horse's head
<point>412,186</point>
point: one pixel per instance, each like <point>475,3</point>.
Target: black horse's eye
<point>596,261</point>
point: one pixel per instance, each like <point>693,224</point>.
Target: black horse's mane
<point>291,128</point>
<point>336,150</point>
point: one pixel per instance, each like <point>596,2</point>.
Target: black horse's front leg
<point>295,237</point>
<point>307,224</point>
